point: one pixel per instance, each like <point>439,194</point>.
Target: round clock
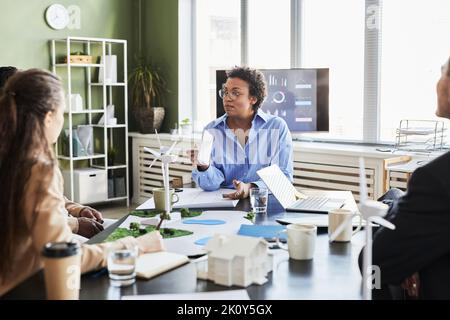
<point>57,16</point>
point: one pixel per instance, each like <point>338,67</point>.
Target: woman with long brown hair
<point>31,185</point>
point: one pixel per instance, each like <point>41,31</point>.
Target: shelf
<point>86,111</point>
<point>119,166</point>
<point>117,198</point>
<point>117,84</point>
<point>95,156</point>
<point>99,49</point>
<point>94,65</point>
<point>89,39</point>
<point>109,126</point>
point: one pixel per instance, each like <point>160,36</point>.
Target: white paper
<point>210,295</point>
<point>197,198</point>
<point>320,220</point>
<point>186,245</point>
<point>86,134</point>
<point>204,153</point>
<point>111,69</point>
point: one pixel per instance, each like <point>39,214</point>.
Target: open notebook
<point>152,264</point>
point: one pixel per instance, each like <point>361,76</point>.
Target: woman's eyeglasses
<point>233,95</point>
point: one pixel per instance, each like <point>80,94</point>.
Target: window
<point>333,37</point>
<point>414,46</point>
<point>404,56</point>
<point>218,46</point>
<point>269,34</point>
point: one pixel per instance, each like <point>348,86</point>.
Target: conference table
<point>333,273</point>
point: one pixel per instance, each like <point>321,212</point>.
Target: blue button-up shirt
<point>269,142</point>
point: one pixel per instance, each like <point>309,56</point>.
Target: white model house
<point>237,260</point>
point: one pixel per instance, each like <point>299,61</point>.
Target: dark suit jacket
<point>421,240</point>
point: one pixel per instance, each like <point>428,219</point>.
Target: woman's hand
<point>150,242</point>
<point>88,227</point>
<point>91,213</point>
<point>242,190</point>
<point>193,154</point>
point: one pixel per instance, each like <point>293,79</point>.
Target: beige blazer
<point>47,224</point>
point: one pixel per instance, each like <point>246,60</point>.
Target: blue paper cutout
<point>209,222</point>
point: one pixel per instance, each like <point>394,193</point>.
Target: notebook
<point>290,198</point>
<point>152,264</point>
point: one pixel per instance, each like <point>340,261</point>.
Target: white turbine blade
<point>171,147</point>
<point>341,227</point>
<point>153,162</point>
<point>153,152</point>
<point>163,174</point>
<point>383,222</point>
<point>157,137</point>
<point>362,181</point>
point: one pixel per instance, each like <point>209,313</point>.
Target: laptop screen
<point>278,184</point>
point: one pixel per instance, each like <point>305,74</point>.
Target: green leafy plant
<point>135,226</point>
<point>148,86</point>
<point>185,213</point>
<point>185,122</point>
<point>165,233</point>
<point>250,216</point>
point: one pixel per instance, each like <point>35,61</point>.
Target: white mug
<point>301,241</point>
<point>336,218</point>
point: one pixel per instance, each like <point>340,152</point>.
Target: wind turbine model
<point>166,158</point>
<point>371,211</point>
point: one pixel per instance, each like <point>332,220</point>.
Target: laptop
<point>290,198</point>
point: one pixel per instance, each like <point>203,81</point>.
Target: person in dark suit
<point>416,255</point>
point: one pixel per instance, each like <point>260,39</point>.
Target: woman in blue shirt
<point>245,138</point>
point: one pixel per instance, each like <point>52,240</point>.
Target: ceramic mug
<point>301,241</point>
<point>336,218</point>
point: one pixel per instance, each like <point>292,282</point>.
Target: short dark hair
<point>256,83</point>
<point>5,74</point>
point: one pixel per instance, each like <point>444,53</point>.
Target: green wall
<point>160,43</point>
<point>24,35</point>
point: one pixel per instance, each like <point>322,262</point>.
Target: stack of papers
<point>196,198</point>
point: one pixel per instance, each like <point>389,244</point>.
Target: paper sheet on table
<point>186,244</point>
<point>320,220</point>
<point>196,198</point>
<point>210,295</point>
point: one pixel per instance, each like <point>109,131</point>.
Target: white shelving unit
<point>105,47</point>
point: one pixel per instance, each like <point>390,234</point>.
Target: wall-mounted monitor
<point>299,96</point>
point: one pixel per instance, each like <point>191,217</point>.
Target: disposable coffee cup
<point>62,270</point>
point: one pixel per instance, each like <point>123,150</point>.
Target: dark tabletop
<point>332,274</point>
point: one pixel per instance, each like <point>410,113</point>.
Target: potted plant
<point>185,126</point>
<point>147,89</point>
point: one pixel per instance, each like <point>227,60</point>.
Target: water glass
<point>258,199</point>
<point>122,266</point>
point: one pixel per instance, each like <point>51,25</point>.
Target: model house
<point>237,261</point>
